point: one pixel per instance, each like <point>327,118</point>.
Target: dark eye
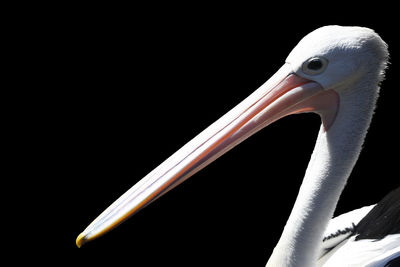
<point>315,65</point>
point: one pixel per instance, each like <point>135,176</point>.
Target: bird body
<point>369,236</point>
<point>342,226</point>
<point>365,252</point>
<point>335,72</point>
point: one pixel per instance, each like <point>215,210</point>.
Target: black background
<point>120,88</point>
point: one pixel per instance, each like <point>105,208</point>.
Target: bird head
<point>336,56</point>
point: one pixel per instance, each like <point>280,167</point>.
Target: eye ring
<point>314,65</point>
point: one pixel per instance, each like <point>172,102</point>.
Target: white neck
<point>335,153</point>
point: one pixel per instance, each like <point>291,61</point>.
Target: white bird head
<point>336,56</point>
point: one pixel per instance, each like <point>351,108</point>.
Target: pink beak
<point>283,94</point>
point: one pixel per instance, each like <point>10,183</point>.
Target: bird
<point>335,72</point>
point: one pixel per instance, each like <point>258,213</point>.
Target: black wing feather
<point>394,263</point>
<point>382,220</point>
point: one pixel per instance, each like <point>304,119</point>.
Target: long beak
<point>283,94</point>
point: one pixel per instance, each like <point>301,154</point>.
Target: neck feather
<point>335,154</point>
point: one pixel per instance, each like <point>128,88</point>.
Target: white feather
<point>336,231</point>
<point>365,252</point>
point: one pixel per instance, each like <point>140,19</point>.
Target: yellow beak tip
<point>80,240</point>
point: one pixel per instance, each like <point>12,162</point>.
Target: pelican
<point>335,72</point>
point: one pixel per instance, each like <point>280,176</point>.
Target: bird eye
<point>315,65</point>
